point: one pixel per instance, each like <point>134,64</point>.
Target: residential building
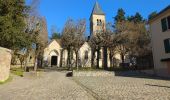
<point>160,31</point>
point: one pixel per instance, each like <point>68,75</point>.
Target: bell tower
<point>97,20</point>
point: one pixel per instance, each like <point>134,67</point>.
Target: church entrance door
<point>54,60</point>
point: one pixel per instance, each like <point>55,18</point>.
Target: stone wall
<point>5,62</point>
<point>94,73</point>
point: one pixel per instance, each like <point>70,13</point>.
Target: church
<point>55,55</point>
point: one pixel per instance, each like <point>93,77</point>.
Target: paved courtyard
<point>126,87</point>
<point>49,86</point>
<point>54,85</point>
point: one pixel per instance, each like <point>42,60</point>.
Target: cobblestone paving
<point>54,85</point>
<point>126,88</point>
<point>50,86</point>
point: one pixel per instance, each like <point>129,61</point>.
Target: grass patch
<point>6,81</point>
<point>17,71</point>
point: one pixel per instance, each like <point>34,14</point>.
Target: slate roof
<point>97,9</point>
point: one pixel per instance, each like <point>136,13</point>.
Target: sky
<point>57,12</point>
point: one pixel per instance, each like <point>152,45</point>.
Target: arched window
<point>86,55</point>
<point>99,22</point>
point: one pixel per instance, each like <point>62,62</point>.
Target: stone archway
<point>54,58</point>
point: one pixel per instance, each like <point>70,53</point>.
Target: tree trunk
<point>98,57</point>
<point>21,65</point>
<point>123,59</point>
<point>25,65</point>
<point>61,59</point>
<point>26,59</point>
<point>35,64</point>
<point>105,58</point>
<point>111,59</point>
<point>92,58</point>
<point>69,58</point>
<point>77,60</point>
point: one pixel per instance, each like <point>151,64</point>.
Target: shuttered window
<point>168,18</point>
<point>164,25</point>
<point>167,45</point>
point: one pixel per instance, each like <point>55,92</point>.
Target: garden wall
<point>5,62</point>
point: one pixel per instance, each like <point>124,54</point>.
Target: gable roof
<point>97,10</point>
<point>160,13</point>
<point>58,41</point>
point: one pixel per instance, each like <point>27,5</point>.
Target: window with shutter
<point>164,25</point>
<point>167,45</point>
<point>168,22</point>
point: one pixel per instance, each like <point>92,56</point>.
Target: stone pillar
<point>5,62</point>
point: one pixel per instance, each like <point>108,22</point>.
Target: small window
<point>168,18</point>
<point>164,25</point>
<point>99,22</point>
<point>167,45</point>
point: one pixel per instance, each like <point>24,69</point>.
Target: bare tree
<point>79,38</point>
<point>108,43</point>
<point>73,37</point>
<point>132,39</point>
<point>122,32</point>
<point>68,38</point>
<point>34,7</point>
<point>95,44</point>
<point>36,29</point>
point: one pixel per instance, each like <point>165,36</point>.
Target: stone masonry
<point>5,61</point>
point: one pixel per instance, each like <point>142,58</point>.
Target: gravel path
<point>126,88</point>
<point>49,86</point>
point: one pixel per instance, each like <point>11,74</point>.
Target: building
<point>55,55</point>
<point>97,20</point>
<point>160,30</point>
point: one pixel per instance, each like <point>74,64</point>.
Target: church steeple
<point>97,20</point>
<point>97,9</point>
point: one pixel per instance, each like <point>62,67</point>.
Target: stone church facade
<point>55,55</point>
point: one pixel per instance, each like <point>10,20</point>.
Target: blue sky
<point>58,11</point>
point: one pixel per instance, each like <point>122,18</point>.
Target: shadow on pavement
<point>138,74</point>
<point>157,85</point>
